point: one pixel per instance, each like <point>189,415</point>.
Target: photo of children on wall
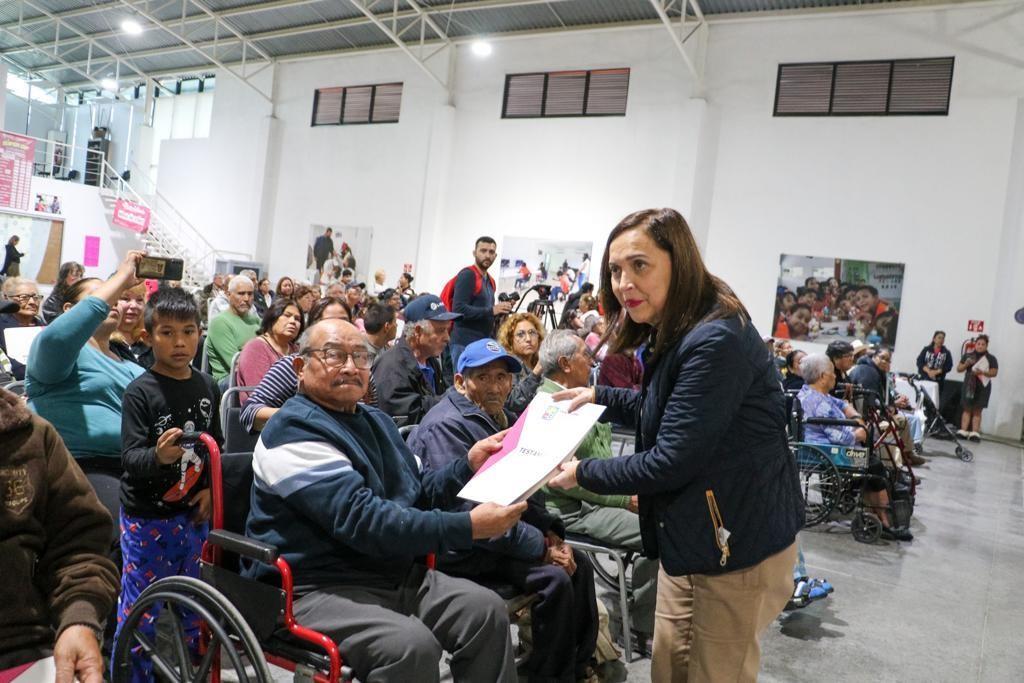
<point>820,299</point>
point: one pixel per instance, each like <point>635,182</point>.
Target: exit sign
<point>975,325</point>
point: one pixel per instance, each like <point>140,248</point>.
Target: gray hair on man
<point>410,329</point>
<point>814,366</point>
<point>239,280</point>
<point>558,344</point>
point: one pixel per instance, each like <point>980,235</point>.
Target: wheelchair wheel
<point>866,527</point>
<point>821,482</point>
<point>847,501</point>
<point>964,454</point>
<point>227,629</point>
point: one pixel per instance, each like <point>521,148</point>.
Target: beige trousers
<point>708,628</point>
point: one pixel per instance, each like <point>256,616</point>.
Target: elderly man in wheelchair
<point>340,513</point>
<point>831,421</point>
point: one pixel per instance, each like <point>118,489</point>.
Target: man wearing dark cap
<point>408,376</point>
<point>840,352</point>
<point>532,556</point>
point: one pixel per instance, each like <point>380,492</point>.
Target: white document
<point>982,366</point>
<point>544,436</point>
<point>42,671</point>
<point>19,341</point>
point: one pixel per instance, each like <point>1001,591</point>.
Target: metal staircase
<point>170,234</point>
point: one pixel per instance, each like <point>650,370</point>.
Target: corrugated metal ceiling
<point>303,27</point>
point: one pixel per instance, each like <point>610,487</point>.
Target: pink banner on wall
<point>131,216</point>
<point>91,258</point>
<point>17,153</point>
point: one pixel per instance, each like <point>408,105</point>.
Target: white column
<point>3,100</point>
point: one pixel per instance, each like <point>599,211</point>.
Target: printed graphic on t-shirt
<point>191,465</point>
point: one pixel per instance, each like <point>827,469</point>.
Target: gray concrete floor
<point>948,606</point>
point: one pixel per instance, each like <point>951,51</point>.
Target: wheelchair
<point>248,622</point>
<point>245,621</point>
<point>832,476</point>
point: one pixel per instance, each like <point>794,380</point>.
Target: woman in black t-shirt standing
<point>979,367</point>
<point>935,360</point>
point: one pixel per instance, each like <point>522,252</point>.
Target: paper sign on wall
<point>407,268</point>
<point>91,258</point>
<point>975,325</point>
<point>17,153</point>
<point>131,216</point>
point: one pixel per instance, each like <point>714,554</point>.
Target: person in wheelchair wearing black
<point>533,557</point>
<point>817,402</point>
<point>339,494</point>
<point>871,372</point>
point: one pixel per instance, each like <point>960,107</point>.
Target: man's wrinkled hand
<point>76,655</point>
<point>490,519</point>
<point>484,449</point>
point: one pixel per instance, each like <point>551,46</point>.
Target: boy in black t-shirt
<point>165,497</point>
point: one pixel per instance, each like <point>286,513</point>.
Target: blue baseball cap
<point>484,351</point>
<point>428,307</point>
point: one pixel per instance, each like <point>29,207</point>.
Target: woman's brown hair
<point>281,282</point>
<point>694,293</point>
<point>507,331</point>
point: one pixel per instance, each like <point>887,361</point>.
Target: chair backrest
<point>236,438</point>
<point>237,476</point>
<point>17,388</point>
<point>406,431</point>
<point>204,363</point>
<point>233,372</point>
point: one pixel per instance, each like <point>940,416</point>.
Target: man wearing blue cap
<point>532,555</point>
<point>408,376</point>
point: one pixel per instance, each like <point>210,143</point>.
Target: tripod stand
<point>542,307</point>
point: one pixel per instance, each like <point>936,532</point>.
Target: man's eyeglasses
<point>25,298</point>
<point>336,358</point>
<point>527,334</point>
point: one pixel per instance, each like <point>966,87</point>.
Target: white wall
<point>929,192</point>
<point>217,182</point>
<point>84,215</point>
<point>941,194</point>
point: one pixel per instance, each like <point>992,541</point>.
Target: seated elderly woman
<point>521,335</point>
<point>819,375</point>
<point>23,292</point>
<point>275,339</point>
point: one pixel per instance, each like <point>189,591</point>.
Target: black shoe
<point>897,533</point>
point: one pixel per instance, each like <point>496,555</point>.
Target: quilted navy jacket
<point>710,444</point>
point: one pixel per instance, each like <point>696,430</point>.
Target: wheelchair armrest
<point>243,545</point>
<point>832,422</point>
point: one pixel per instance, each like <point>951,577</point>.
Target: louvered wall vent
<point>875,88</point>
<point>357,104</point>
<point>599,92</point>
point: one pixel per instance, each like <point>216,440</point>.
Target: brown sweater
<point>54,536</point>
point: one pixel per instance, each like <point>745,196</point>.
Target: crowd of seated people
<point>337,367</point>
<point>852,309</point>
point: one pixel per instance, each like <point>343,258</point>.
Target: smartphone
<point>157,268</point>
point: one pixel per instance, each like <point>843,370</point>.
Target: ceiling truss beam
<point>687,31</point>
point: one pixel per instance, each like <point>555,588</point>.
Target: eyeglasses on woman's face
<point>334,357</point>
<point>527,334</point>
<point>25,298</point>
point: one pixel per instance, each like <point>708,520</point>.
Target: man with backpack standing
<point>471,294</point>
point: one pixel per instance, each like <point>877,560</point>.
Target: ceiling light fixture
<point>109,84</point>
<point>131,27</point>
<point>481,48</point>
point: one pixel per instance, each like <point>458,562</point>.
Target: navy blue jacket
<point>342,498</point>
<point>445,436</point>
<point>710,418</point>
<point>477,310</point>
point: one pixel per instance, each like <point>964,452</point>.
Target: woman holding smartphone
<point>719,497</point>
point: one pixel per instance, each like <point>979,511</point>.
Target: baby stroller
<point>936,426</point>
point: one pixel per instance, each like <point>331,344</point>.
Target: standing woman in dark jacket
<point>719,497</point>
<point>12,258</point>
<point>935,361</point>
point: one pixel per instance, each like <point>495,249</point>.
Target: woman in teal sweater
<point>76,382</point>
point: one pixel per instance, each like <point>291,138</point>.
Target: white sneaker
<point>975,437</point>
<point>962,433</point>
